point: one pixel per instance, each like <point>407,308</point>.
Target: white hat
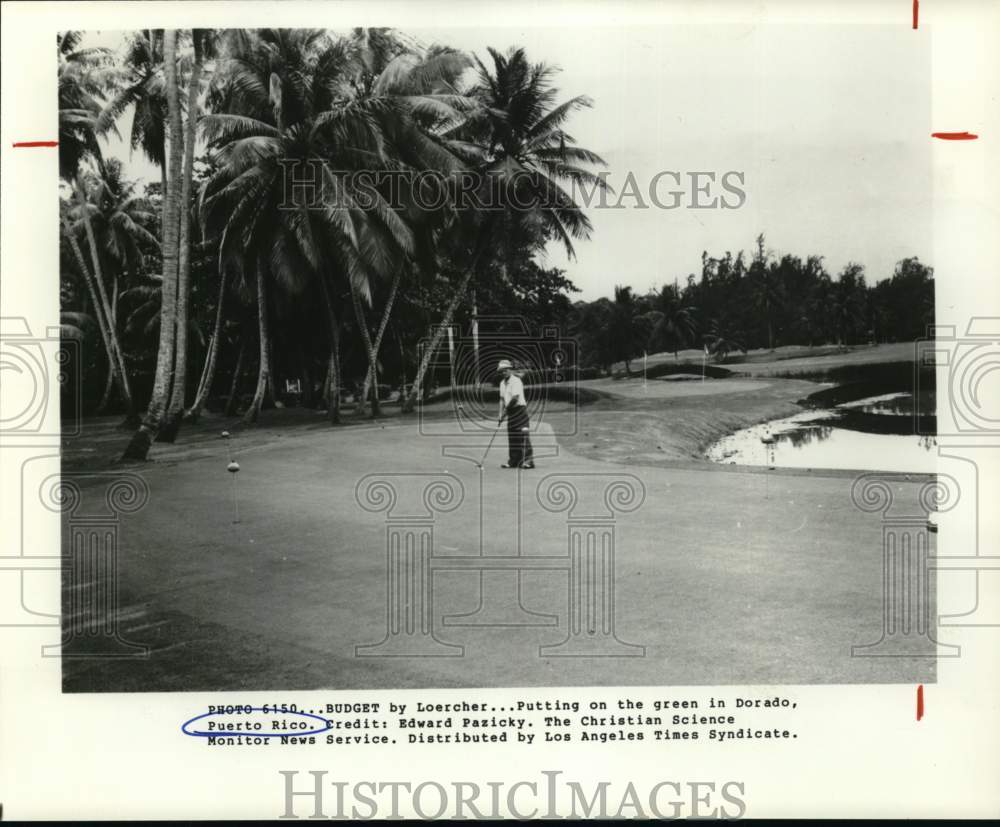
<point>505,364</point>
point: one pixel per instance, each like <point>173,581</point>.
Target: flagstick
<point>236,502</point>
<point>233,468</point>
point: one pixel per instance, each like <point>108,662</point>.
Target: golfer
<point>513,405</point>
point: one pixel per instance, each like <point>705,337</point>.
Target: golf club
<point>490,445</point>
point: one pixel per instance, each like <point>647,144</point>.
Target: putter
<point>490,445</point>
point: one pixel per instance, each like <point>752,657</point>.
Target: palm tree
<point>721,338</point>
<point>765,287</point>
<point>627,328</point>
<point>515,142</point>
<point>332,382</point>
<point>142,310</point>
<point>418,90</point>
<point>146,93</point>
<point>260,88</point>
<point>138,447</point>
<point>847,301</point>
<point>84,76</point>
<point>175,407</point>
<point>119,219</point>
<point>287,99</point>
<point>242,202</point>
<point>590,325</point>
<point>142,89</point>
<point>674,323</point>
<point>212,356</point>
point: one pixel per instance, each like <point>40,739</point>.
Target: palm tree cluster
<point>767,302</point>
<point>275,243</point>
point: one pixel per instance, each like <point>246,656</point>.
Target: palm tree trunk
<point>439,331</point>
<point>402,365</point>
<point>770,333</point>
<point>272,369</point>
<point>205,379</point>
<point>175,409</point>
<point>163,189</point>
<point>264,366</point>
<point>306,391</point>
<point>110,383</point>
<point>372,376</point>
<point>82,264</point>
<point>230,408</point>
<point>211,358</point>
<point>98,272</point>
<point>333,364</point>
<point>359,313</point>
<point>138,448</point>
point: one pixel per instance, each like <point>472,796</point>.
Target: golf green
<point>723,576</point>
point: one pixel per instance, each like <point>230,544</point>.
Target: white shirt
<point>512,391</point>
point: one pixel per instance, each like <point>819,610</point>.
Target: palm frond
<point>222,129</point>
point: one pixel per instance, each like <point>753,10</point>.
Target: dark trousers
<point>518,439</point>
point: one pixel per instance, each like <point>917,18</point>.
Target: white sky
<point>830,125</point>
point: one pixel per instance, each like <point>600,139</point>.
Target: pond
<point>878,433</point>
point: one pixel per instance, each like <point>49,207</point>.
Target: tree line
<point>741,302</point>
<point>225,261</point>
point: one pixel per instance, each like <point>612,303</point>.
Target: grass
<point>725,575</point>
<point>763,360</point>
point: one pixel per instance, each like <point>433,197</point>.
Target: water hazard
<point>881,432</point>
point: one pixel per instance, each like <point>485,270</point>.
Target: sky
<point>829,126</point>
